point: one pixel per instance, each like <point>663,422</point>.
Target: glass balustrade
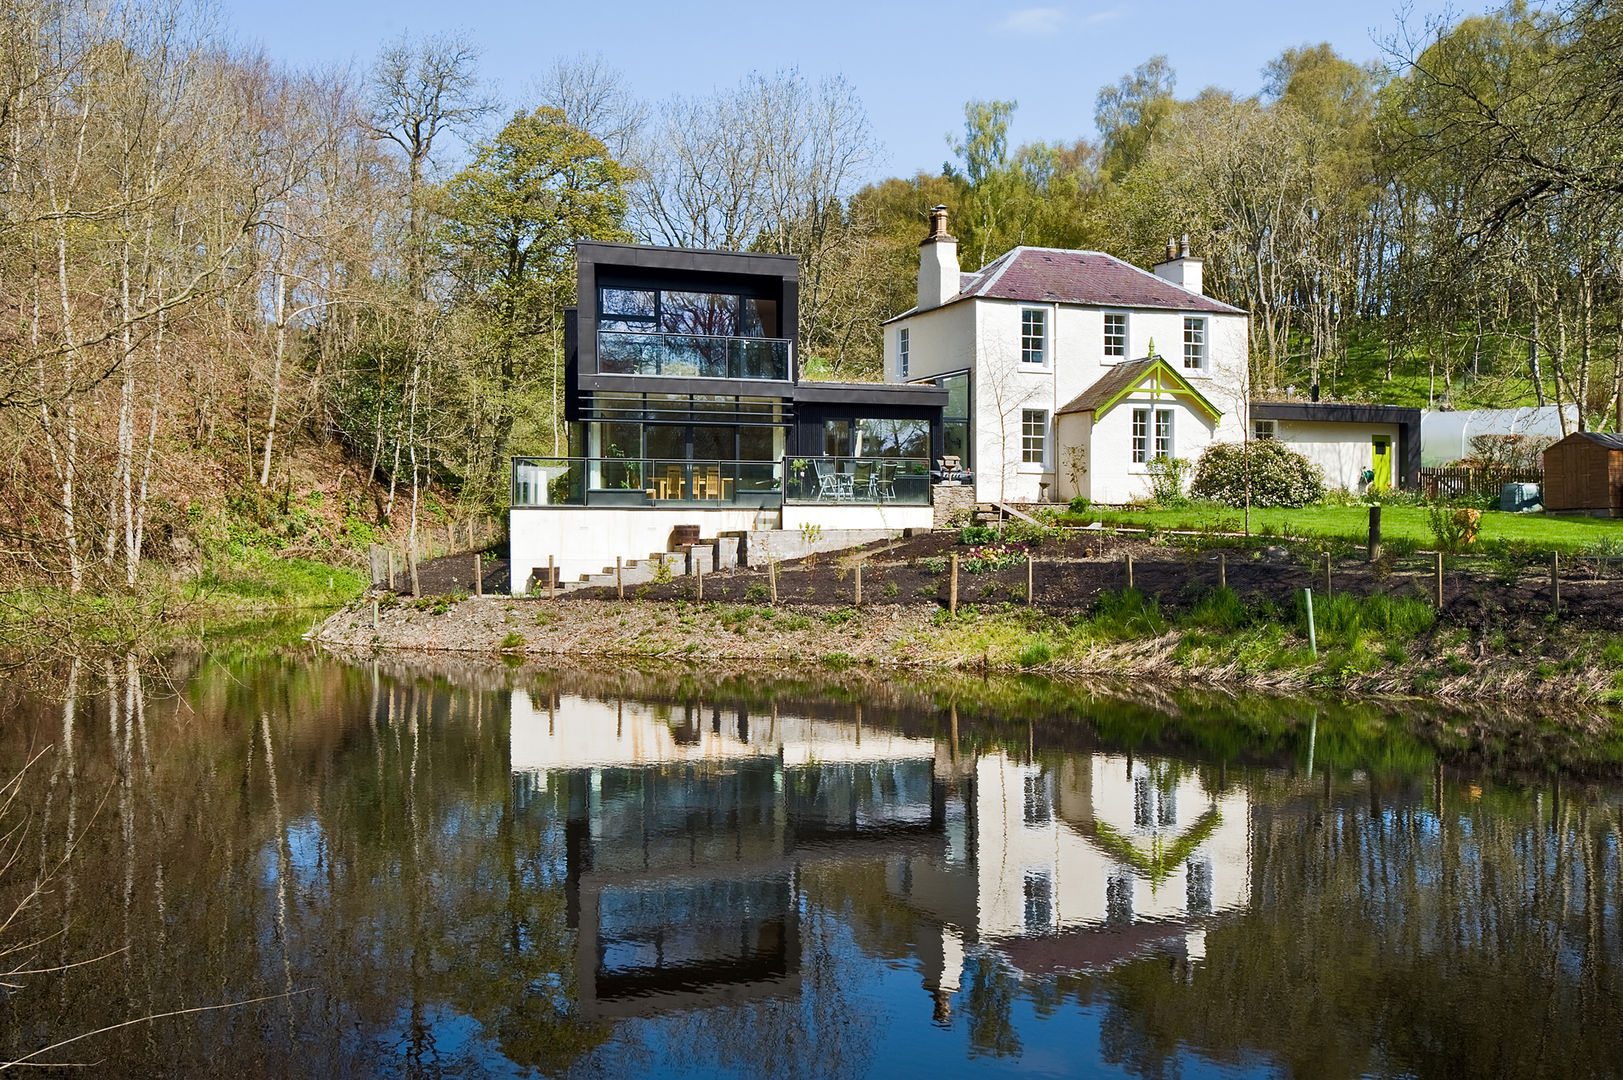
<point>872,480</point>
<point>694,356</point>
<point>644,482</point>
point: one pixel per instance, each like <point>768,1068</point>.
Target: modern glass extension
<point>690,334</point>
<point>718,484</point>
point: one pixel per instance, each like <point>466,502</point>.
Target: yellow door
<point>1381,464</point>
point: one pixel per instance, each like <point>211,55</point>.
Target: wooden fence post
<point>1329,589</point>
<point>619,579</point>
<point>1374,532</point>
<point>698,582</point>
<point>1439,581</point>
<point>1129,569</point>
<point>1222,569</point>
<point>552,579</point>
<point>1555,583</point>
<point>478,575</point>
<point>1031,581</point>
<point>952,588</point>
<point>772,578</point>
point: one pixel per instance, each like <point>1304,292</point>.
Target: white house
<point>1070,371</point>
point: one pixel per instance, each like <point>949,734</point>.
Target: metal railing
<point>646,482</point>
<point>696,356</point>
<point>861,480</point>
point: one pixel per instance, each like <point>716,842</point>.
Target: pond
<point>303,865</point>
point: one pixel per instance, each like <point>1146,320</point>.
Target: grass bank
<point>1376,645</point>
<point>1350,524</point>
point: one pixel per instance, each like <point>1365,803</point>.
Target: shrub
<point>1080,504</point>
<point>758,592</point>
<point>935,564</point>
<point>1026,534</point>
<point>1279,476</point>
<point>1453,529</point>
<point>513,640</point>
<point>977,534</point>
<point>1167,476</point>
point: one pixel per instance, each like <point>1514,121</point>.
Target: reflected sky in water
<point>473,871</point>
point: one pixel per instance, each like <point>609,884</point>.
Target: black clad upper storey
<point>681,321</point>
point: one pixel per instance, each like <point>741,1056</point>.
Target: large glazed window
<point>689,333</point>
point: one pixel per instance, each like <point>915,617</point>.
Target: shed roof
<point>1610,440</point>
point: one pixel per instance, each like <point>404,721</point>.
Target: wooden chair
<point>712,483</point>
<point>672,482</point>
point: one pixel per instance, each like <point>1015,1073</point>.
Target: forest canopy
<point>210,260</point>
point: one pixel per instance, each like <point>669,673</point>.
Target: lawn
<point>1351,523</point>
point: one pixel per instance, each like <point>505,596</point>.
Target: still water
<point>471,871</point>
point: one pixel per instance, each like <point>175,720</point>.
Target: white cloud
<point>1103,16</point>
<point>1037,20</point>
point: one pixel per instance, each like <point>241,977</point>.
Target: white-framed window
<point>1033,336</point>
<point>1033,436</point>
<point>1115,334</point>
<point>901,352</point>
<point>1142,446</point>
<point>1194,342</point>
<point>1263,430</point>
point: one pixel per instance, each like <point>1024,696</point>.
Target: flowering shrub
<point>1453,529</point>
<point>988,558</point>
<point>1279,475</point>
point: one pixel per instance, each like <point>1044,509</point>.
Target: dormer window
<point>1034,337</point>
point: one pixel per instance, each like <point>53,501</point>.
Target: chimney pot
<point>1183,247</point>
<point>938,222</point>
<point>1172,249</point>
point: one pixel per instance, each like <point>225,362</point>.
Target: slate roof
<point>1109,385</point>
<point>1059,275</point>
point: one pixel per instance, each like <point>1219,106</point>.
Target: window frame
<point>903,345</point>
<point>1141,436</point>
<point>1126,324</point>
<point>1041,315</point>
<point>1165,444</point>
<point>1257,428</point>
<point>1202,326</point>
<point>1041,439</point>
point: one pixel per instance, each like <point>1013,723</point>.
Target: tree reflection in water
<point>917,877</point>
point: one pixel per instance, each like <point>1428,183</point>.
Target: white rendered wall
<point>985,335</point>
<point>1113,476</point>
<point>1343,451</point>
<point>831,517</point>
<point>585,540</point>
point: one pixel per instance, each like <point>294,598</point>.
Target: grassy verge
<point>1351,525</point>
<point>1380,644</point>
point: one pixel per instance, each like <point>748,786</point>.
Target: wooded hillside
<point>209,261</point>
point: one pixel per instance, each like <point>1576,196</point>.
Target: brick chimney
<point>1182,268</point>
<point>938,263</point>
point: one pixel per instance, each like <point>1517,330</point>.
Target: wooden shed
<point>1583,474</point>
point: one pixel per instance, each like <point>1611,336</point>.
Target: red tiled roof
<point>1081,277</point>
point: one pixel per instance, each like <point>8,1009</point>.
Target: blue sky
<point>914,64</point>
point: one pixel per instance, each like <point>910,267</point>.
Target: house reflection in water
<point>688,827</point>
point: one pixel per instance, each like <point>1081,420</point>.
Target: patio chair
<point>712,483</point>
<point>830,482</point>
<point>673,482</point>
<point>885,482</point>
<point>863,479</point>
